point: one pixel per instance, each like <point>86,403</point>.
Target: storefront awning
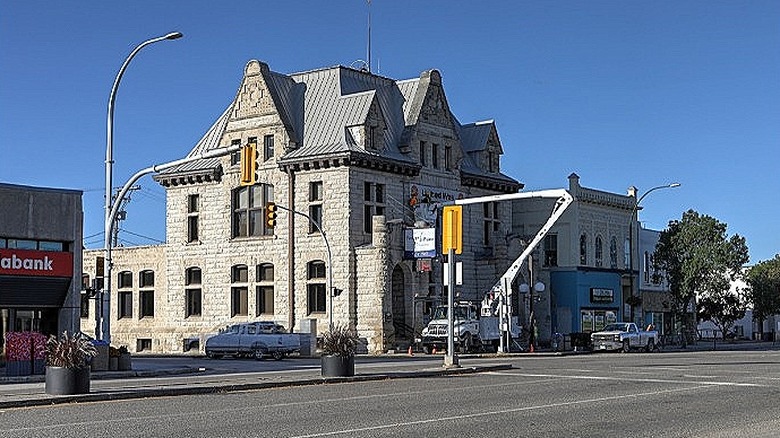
<point>31,292</point>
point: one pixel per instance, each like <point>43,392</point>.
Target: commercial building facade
<point>583,261</point>
<point>369,159</point>
<point>40,259</point>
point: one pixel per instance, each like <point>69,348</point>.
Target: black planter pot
<point>338,366</point>
<point>67,381</point>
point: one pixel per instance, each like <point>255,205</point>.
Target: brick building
<point>369,158</point>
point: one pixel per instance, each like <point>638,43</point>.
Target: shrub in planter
<point>67,364</point>
<point>338,351</point>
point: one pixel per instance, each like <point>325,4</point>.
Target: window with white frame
<point>239,291</point>
<point>374,204</point>
<point>315,287</point>
<point>192,292</point>
<point>249,210</point>
<point>265,289</point>
<point>193,206</point>
<point>146,294</point>
<point>315,205</point>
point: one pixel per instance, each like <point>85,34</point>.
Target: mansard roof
<point>317,107</point>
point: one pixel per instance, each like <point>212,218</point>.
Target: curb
<point>211,389</point>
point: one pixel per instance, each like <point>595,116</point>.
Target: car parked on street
<point>253,339</point>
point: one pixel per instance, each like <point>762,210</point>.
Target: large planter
<point>67,381</point>
<point>337,366</point>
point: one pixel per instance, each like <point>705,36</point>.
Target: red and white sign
<point>38,263</point>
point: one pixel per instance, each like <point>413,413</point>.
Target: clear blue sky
<point>622,93</point>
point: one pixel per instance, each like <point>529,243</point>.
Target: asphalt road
<point>688,394</point>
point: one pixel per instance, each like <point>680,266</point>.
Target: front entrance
<point>401,328</point>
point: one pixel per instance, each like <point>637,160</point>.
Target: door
<point>399,303</point>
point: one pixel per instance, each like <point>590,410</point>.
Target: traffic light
<point>249,164</point>
<point>270,214</point>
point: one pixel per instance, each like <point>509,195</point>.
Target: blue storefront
<point>585,300</point>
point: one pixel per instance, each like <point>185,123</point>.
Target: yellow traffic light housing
<point>249,164</point>
<point>270,214</point>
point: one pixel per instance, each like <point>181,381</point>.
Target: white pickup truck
<point>253,339</point>
<point>624,336</point>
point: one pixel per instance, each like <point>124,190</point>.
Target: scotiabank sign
<point>38,263</point>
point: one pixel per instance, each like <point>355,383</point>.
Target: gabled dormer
<point>369,134</point>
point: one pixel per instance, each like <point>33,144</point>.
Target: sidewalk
<point>16,392</point>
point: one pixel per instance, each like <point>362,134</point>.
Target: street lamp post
<point>633,220</point>
<point>108,223</point>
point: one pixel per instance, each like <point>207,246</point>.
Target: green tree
<point>697,259</point>
<point>763,281</point>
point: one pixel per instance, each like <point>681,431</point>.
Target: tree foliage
<point>763,281</point>
<point>698,260</point>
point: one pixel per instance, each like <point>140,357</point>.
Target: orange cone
<point>411,353</point>
<point>532,348</point>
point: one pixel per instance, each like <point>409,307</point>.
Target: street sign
<point>452,229</point>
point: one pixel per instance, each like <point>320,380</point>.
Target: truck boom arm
<point>564,199</point>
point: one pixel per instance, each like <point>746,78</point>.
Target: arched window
<point>613,253</point>
<point>599,252</point>
<point>315,287</point>
<point>583,249</point>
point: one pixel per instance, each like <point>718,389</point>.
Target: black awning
<point>23,291</point>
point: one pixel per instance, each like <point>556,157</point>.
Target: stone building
<point>370,159</point>
<point>583,261</point>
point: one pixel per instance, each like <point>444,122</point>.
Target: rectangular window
<point>551,250</point>
<point>316,298</point>
<point>45,245</point>
<point>268,147</point>
<point>249,210</point>
<point>193,302</point>
<point>374,196</point>
<point>435,156</point>
<point>144,344</point>
<point>235,157</point>
<point>125,305</point>
<point>265,300</point>
<point>146,305</point>
<point>315,205</point>
<point>193,207</point>
<point>423,153</point>
<point>239,301</point>
<point>448,157</point>
<point>491,222</point>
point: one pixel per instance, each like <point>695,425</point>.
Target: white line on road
<point>492,413</point>
<point>625,379</point>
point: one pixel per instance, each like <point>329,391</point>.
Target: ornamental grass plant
<point>340,340</point>
<point>69,350</point>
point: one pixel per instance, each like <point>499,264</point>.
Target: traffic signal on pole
<point>249,164</point>
<point>270,214</point>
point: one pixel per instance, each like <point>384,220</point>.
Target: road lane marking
<point>492,413</point>
<point>624,379</point>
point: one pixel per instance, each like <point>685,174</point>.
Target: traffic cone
<point>411,353</point>
<point>532,348</point>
